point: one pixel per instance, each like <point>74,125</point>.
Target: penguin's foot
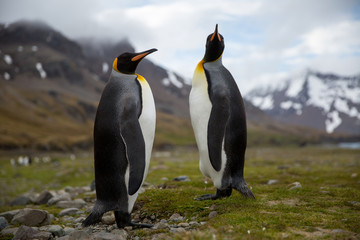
<point>207,197</point>
<point>245,190</point>
<point>219,194</point>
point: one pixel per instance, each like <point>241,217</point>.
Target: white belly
<point>147,122</point>
<point>200,109</point>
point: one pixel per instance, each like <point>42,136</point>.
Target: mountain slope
<point>326,102</point>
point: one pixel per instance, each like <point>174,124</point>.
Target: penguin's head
<point>214,46</point>
<point>127,62</point>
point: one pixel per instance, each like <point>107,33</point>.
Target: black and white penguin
<point>219,122</point>
<point>123,138</point>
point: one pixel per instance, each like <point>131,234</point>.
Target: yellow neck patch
<point>200,66</point>
<point>140,78</point>
<point>115,64</point>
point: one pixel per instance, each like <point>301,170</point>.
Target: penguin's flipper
<point>131,134</point>
<point>216,127</point>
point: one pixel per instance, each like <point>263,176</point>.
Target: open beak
<point>141,55</point>
<point>216,34</point>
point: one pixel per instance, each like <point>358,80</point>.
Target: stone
<point>78,235</point>
<point>20,201</point>
<point>194,224</point>
<point>176,217</point>
<point>294,185</point>
<point>160,225</point>
<point>3,223</point>
<point>42,236</point>
<point>92,185</point>
<point>61,197</point>
<point>177,230</point>
<point>121,234</point>
<point>104,236</point>
<point>182,179</point>
<point>68,211</point>
<point>24,233</point>
<point>68,230</point>
<point>272,181</point>
<point>9,214</point>
<point>183,224</point>
<point>212,214</point>
<point>77,203</point>
<point>337,231</point>
<point>354,203</point>
<point>9,231</point>
<point>31,217</point>
<point>108,220</point>
<point>79,220</point>
<point>212,207</point>
<point>56,230</point>
<point>44,197</point>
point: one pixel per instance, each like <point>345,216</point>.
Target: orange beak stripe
<point>140,56</point>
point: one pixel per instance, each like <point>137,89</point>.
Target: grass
<point>330,180</point>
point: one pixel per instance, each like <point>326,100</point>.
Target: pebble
<point>182,179</point>
<point>20,201</point>
<point>183,224</point>
<point>68,211</point>
<point>56,230</point>
<point>61,197</point>
<point>44,197</point>
<point>3,223</point>
<point>9,214</point>
<point>109,220</point>
<point>31,217</point>
<point>176,217</point>
<point>272,181</point>
<point>212,214</point>
<point>25,232</point>
<point>77,203</point>
<point>294,185</point>
<point>160,225</point>
<point>354,175</point>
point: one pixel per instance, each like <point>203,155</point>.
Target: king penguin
<point>218,118</point>
<point>124,132</point>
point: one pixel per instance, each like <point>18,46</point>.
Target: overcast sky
<point>264,40</point>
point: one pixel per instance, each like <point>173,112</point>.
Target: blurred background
<point>297,64</point>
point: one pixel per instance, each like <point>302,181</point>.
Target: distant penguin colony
<point>219,122</point>
<point>125,127</point>
<point>123,138</point>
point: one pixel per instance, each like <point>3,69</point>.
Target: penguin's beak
<point>216,34</point>
<point>141,55</point>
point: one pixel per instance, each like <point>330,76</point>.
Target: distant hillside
<point>50,87</point>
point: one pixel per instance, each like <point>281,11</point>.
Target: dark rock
<point>160,225</point>
<point>182,179</point>
<point>68,211</point>
<point>20,201</point>
<point>25,233</point>
<point>77,203</point>
<point>31,217</point>
<point>9,214</point>
<point>3,223</point>
<point>44,197</point>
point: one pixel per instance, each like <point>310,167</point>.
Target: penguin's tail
<point>95,216</point>
<point>243,188</point>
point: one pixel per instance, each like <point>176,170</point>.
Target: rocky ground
<point>73,206</point>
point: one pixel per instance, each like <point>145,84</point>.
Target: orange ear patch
<point>115,64</point>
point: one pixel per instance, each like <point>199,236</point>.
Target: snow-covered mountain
<point>322,101</point>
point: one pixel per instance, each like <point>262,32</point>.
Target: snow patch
<point>34,48</point>
<point>295,87</point>
<point>289,104</point>
<point>319,94</point>
<point>105,67</point>
<point>41,70</point>
<point>7,76</point>
<point>264,103</point>
<point>166,82</point>
<point>8,59</point>
<point>20,48</point>
<point>173,79</point>
<point>286,105</point>
<point>332,122</point>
